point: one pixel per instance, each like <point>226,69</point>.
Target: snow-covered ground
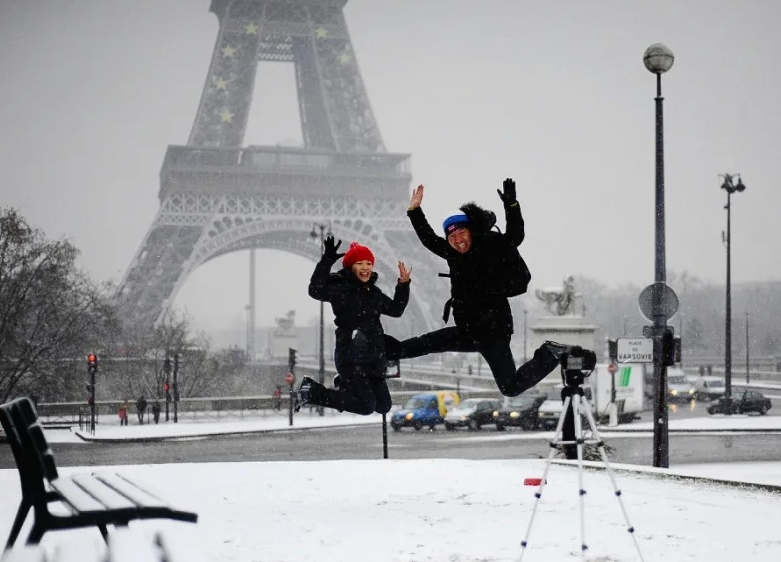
<point>444,509</point>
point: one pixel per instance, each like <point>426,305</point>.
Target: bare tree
<point>49,310</point>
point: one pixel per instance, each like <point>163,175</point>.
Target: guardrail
<point>206,408</point>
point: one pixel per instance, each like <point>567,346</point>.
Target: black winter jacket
<point>356,306</point>
<point>479,307</point>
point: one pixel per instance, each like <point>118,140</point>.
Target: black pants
<point>361,391</point>
<point>495,350</point>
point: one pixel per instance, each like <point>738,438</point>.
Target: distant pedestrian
<point>141,408</point>
<point>123,409</point>
<point>278,398</point>
<point>156,411</point>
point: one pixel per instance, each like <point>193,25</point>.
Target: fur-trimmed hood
<point>481,221</point>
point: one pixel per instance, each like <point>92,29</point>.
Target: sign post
<point>635,350</point>
<point>613,410</point>
<point>290,379</point>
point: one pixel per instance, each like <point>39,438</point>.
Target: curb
<point>595,465</point>
<point>606,429</point>
<point>155,438</point>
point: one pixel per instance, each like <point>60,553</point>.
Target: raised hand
<point>417,197</point>
<point>404,273</point>
<point>330,248</point>
<point>509,195</point>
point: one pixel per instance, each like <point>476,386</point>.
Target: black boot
<point>304,393</point>
<point>555,348</point>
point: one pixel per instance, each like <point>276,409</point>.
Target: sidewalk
<point>187,428</point>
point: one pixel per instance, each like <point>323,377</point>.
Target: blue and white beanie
<point>454,222</point>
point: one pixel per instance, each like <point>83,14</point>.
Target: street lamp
<point>322,235</point>
<point>525,332</point>
<point>730,187</point>
<point>658,59</point>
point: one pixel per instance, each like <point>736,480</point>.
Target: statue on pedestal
<point>286,324</point>
<point>564,301</point>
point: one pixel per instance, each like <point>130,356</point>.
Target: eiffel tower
<point>217,196</point>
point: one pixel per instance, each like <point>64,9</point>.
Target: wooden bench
<point>124,545</point>
<point>97,499</point>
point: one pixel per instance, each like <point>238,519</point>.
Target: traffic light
<point>176,363</point>
<point>671,347</point>
<point>612,349</point>
<point>92,363</point>
<point>291,359</point>
<point>167,365</point>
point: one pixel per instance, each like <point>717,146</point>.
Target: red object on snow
<point>533,481</point>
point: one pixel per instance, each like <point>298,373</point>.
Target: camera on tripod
<point>576,364</point>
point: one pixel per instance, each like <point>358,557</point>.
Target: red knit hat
<point>355,253</point>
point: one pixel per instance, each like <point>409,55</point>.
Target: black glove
<point>330,248</point>
<point>508,197</point>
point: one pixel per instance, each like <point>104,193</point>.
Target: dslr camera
<point>576,364</point>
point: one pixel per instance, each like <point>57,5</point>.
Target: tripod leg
<point>538,494</point>
<point>576,408</point>
<point>601,448</point>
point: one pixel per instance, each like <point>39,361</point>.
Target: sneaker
<point>304,393</point>
<point>555,348</point>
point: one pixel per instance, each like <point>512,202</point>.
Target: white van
<point>629,381</point>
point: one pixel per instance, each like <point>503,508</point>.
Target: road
<point>366,443</point>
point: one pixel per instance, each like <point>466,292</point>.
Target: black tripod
<point>569,434</point>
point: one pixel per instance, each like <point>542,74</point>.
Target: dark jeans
<point>495,350</point>
<point>359,392</point>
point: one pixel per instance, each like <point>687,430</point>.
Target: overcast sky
<point>553,93</point>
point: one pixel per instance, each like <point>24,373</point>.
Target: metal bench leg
<point>104,532</point>
<point>36,533</point>
<point>21,515</point>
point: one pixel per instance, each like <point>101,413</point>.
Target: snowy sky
<point>552,93</point>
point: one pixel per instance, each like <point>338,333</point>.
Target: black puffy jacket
<point>479,306</point>
<point>356,306</point>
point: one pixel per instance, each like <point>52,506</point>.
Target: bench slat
<point>107,496</point>
<point>129,489</point>
<point>75,496</point>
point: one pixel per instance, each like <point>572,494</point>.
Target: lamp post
<point>658,59</point>
<point>748,370</point>
<point>730,187</point>
<point>321,371</point>
<point>525,313</point>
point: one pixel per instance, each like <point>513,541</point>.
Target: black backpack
<point>516,280</point>
<point>516,275</point>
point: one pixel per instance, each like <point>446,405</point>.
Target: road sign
<point>669,301</point>
<point>290,378</point>
<point>635,350</point>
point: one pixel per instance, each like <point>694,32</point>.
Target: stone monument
<point>566,321</point>
<point>284,335</point>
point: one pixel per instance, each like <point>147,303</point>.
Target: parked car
<point>473,413</point>
<point>709,388</point>
<point>426,408</point>
<point>743,402</point>
<point>679,389</point>
<point>520,411</point>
